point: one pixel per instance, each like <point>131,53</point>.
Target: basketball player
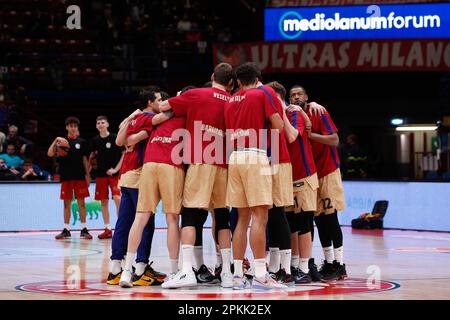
<point>206,178</point>
<point>278,226</point>
<point>324,139</point>
<point>248,113</point>
<point>305,182</point>
<point>130,172</point>
<point>74,171</point>
<point>109,159</point>
<point>162,178</point>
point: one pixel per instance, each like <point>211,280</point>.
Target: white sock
<point>140,268</point>
<point>108,226</point>
<point>238,271</point>
<point>115,266</point>
<point>66,226</point>
<point>274,261</point>
<point>187,252</point>
<point>339,255</point>
<point>219,260</point>
<point>198,256</point>
<point>225,255</point>
<point>83,225</point>
<point>173,265</point>
<point>304,267</point>
<point>285,260</point>
<point>260,268</point>
<point>129,260</point>
<point>329,254</point>
<point>295,261</point>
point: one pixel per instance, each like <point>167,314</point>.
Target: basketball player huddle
<point>252,161</point>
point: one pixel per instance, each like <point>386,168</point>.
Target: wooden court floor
<point>389,264</point>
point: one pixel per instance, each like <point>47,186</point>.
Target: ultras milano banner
<point>327,56</point>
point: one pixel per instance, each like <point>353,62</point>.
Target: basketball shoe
<point>205,277</point>
<point>328,271</point>
<point>84,234</point>
<point>266,283</point>
<point>241,283</point>
<point>113,279</point>
<point>107,234</point>
<point>341,271</point>
<point>126,279</point>
<point>150,272</point>
<point>302,278</point>
<point>65,234</point>
<point>282,277</point>
<point>181,280</point>
<point>313,272</point>
<point>146,281</point>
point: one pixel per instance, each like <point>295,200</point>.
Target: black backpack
<point>380,207</point>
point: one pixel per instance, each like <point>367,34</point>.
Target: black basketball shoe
<point>341,271</point>
<point>205,277</point>
<point>329,271</point>
<point>313,272</point>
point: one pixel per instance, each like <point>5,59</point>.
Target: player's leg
<point>292,218</point>
<point>222,233</point>
<point>190,218</point>
<point>115,191</point>
<point>239,247</point>
<point>102,194</point>
<point>65,233</point>
<point>119,242</point>
<point>173,241</point>
<point>305,246</point>
<point>66,195</point>
<point>338,247</point>
<point>262,280</point>
<point>84,234</point>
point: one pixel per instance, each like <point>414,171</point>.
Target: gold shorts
<point>305,194</point>
<point>160,181</point>
<point>330,196</point>
<point>282,184</point>
<point>249,180</point>
<point>130,179</point>
<point>205,187</point>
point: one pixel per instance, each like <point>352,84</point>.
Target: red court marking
<point>422,249</point>
<point>99,288</point>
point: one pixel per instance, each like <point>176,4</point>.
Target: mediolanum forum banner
<point>407,21</point>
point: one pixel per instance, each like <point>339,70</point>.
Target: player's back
<point>246,114</point>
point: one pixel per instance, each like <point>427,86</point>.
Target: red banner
<point>312,3</point>
<point>331,56</point>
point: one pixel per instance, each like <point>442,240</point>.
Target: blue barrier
<point>412,205</point>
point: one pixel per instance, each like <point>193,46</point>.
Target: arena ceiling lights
<point>416,127</point>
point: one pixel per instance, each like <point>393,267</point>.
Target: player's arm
<point>162,117</point>
<point>165,106</point>
<point>136,138</point>
<point>289,131</point>
<point>332,139</point>
<point>121,138</point>
<point>276,121</point>
<point>51,149</point>
<point>86,169</point>
<point>315,108</point>
<point>113,171</point>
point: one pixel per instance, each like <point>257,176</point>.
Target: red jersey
<point>247,114</point>
<point>134,159</point>
<point>203,109</point>
<point>326,157</point>
<point>300,150</point>
<point>162,142</point>
<point>283,152</point>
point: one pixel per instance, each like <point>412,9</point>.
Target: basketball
<point>62,147</point>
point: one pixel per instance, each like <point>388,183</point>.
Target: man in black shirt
<point>74,172</point>
<point>109,160</point>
